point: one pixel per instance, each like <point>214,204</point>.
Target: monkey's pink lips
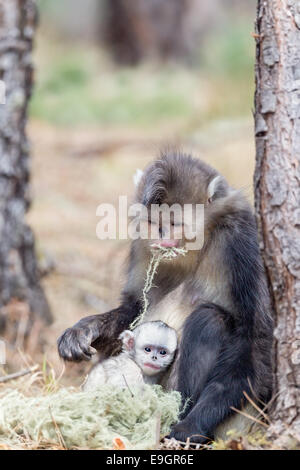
<point>166,243</point>
<point>152,366</point>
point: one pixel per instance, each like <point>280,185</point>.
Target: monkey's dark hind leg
<point>213,371</point>
<point>203,334</point>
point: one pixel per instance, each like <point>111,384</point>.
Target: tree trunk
<point>22,300</point>
<point>277,177</point>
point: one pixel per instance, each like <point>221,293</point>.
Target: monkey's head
<point>181,183</point>
<point>152,345</point>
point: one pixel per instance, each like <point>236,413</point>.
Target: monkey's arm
<point>97,332</point>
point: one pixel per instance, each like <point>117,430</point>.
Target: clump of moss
<point>91,420</point>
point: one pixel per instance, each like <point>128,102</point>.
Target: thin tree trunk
<point>141,29</point>
<point>277,178</point>
<point>21,298</point>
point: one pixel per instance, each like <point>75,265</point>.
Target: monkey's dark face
<point>181,201</point>
<point>164,228</point>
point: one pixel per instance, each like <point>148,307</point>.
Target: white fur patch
<point>137,177</point>
<point>112,371</point>
<point>212,187</point>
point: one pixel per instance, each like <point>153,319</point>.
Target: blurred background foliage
<point>81,79</point>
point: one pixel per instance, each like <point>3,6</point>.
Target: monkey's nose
<point>154,358</point>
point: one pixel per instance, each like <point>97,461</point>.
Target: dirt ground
<point>73,171</point>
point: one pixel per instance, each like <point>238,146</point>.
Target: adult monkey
<point>215,297</point>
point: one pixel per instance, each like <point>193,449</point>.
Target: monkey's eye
<point>147,349</point>
<point>163,352</point>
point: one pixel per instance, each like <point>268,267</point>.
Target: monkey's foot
<point>181,434</point>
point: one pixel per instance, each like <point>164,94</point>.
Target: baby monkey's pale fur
<point>147,352</point>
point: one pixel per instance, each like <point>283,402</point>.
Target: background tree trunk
<point>21,298</point>
<point>277,177</point>
<point>168,29</point>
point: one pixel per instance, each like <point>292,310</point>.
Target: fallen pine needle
<point>260,411</point>
<point>59,434</point>
<point>249,416</point>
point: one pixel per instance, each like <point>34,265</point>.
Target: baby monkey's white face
<point>153,358</point>
<point>152,345</point>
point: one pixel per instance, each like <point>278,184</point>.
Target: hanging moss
<point>158,253</point>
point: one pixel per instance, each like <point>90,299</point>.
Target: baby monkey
<point>147,352</point>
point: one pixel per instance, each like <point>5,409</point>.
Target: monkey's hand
<point>75,343</point>
<point>94,333</point>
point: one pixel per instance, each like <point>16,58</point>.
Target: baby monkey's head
<point>152,345</point>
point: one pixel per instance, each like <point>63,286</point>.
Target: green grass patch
<point>77,85</point>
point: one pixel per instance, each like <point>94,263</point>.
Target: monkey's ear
<point>127,338</point>
<point>216,188</point>
<point>137,177</point>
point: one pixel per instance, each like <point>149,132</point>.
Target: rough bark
<point>21,297</point>
<point>277,176</point>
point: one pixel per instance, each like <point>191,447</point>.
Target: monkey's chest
<point>173,309</point>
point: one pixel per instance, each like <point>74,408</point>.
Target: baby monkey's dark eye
<point>148,349</point>
<point>163,352</point>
